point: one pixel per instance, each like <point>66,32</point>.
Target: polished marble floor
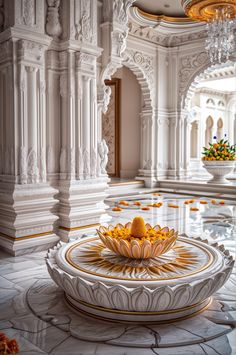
<point>32,309</point>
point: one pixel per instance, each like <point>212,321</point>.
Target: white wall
<point>131,103</point>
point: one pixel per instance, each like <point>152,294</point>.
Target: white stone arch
<point>195,77</point>
<point>231,116</point>
<point>192,70</point>
<point>142,66</point>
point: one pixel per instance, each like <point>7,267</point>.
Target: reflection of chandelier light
<point>219,15</point>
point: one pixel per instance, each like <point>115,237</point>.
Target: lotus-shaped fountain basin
<point>149,242</point>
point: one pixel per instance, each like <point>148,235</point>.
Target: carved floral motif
<point>86,163</point>
<point>120,10</point>
<point>28,12</point>
<point>32,167</point>
<point>190,66</point>
<point>93,164</point>
<point>43,168</point>
<point>80,163</point>
<point>83,29</point>
<point>23,165</point>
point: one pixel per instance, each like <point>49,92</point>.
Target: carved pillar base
<point>27,219</point>
<point>82,208</point>
<point>175,174</point>
<point>148,176</point>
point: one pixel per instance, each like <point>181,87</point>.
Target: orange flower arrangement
<point>137,239</point>
<point>8,346</point>
<point>220,150</point>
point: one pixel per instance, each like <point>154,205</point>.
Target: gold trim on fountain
<point>132,313</point>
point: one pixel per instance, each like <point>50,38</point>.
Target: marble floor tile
<point>46,339</point>
<point>217,346</point>
<point>29,323</point>
<point>5,324</point>
<point>23,278</point>
<point>17,267</point>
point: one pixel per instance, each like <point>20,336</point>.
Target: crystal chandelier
<point>219,15</point>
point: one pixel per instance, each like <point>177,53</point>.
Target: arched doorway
<point>144,72</point>
<point>121,125</point>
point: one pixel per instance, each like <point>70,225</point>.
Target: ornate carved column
<point>26,199</point>
<point>82,185</point>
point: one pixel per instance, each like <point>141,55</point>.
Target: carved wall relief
<point>110,127</point>
<point>28,12</point>
<point>2,17</point>
<point>190,67</point>
<point>53,25</point>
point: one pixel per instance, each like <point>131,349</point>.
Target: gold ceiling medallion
<point>205,10</point>
<point>164,18</point>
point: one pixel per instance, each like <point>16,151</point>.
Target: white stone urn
<point>219,169</point>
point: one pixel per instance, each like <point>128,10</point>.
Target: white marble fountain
<point>106,285</point>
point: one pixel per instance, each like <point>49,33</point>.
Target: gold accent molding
<point>71,304</point>
<point>80,227</point>
<point>25,237</point>
<point>123,183</point>
<point>164,18</point>
<point>204,10</point>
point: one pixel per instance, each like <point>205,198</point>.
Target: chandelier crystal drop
<point>220,39</point>
<point>220,17</point>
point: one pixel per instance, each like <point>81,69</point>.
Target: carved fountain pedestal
<point>173,286</point>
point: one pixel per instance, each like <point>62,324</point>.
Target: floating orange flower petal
<point>202,202</point>
<point>137,203</point>
<point>172,205</point>
<point>117,209</point>
<point>194,209</point>
<point>222,202</point>
<point>124,203</point>
<point>145,208</point>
